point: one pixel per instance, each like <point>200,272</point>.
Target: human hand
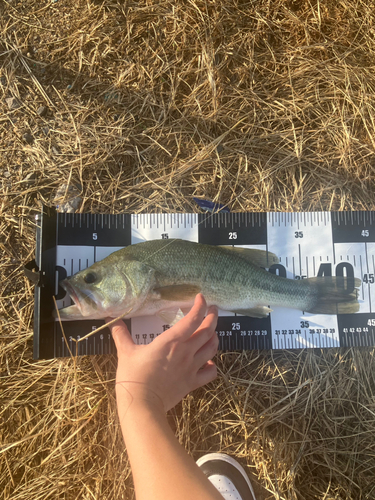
<point>174,364</point>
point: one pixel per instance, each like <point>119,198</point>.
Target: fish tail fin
<point>335,295</point>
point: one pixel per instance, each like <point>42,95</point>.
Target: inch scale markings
<point>307,244</point>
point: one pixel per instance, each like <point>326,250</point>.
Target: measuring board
<point>307,244</point>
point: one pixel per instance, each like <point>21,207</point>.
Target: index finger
<point>191,322</point>
<point>206,329</point>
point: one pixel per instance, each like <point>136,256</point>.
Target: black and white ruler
<point>307,244</point>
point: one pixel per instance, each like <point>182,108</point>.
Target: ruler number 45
<point>365,233</point>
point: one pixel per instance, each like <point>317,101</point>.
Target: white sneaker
<point>227,475</point>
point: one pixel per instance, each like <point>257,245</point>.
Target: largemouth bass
<point>164,276</point>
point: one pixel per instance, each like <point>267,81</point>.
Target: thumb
<point>120,335</point>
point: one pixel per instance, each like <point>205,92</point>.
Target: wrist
<point>136,414</point>
<point>133,397</point>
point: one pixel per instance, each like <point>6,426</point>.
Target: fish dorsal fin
<point>260,258</point>
<point>178,292</point>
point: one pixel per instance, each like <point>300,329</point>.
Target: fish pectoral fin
<point>171,316</point>
<point>255,312</point>
<point>178,292</point>
<point>261,258</point>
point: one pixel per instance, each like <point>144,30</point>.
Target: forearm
<point>162,469</point>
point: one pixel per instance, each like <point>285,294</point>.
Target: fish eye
<point>90,278</point>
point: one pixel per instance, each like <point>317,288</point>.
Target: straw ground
<point>143,105</point>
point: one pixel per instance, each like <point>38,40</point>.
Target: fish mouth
<point>70,290</point>
<point>73,311</point>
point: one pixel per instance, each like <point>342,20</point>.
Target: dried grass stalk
<point>258,105</point>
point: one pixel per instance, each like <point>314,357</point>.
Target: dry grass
<point>258,105</point>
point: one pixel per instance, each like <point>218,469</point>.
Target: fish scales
<point>218,272</point>
<point>148,278</point>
